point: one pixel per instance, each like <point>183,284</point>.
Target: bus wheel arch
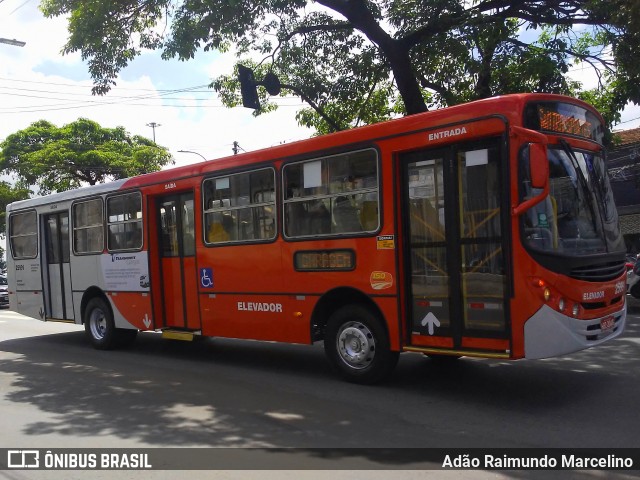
<point>334,300</point>
<point>99,324</point>
<point>356,338</point>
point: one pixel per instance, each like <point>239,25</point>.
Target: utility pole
<point>236,148</point>
<point>153,125</point>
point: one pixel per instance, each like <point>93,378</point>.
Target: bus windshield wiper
<point>582,180</point>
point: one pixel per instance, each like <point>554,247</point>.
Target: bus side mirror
<point>538,174</point>
<point>538,165</point>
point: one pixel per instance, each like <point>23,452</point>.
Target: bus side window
<point>339,195</point>
<point>345,216</point>
<point>134,237</point>
<point>320,218</point>
<point>124,221</point>
<point>297,220</point>
<point>23,234</point>
<point>216,232</point>
<point>369,215</point>
<point>229,226</point>
<point>113,243</point>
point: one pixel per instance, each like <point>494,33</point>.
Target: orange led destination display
<point>325,260</point>
<point>557,122</point>
<point>564,118</point>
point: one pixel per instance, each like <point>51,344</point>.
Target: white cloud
<point>37,82</point>
<point>630,118</point>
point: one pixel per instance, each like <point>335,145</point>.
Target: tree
<point>79,153</point>
<point>358,61</point>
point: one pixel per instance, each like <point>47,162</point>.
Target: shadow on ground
<point>167,393</point>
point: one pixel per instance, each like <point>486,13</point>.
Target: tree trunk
<point>395,51</point>
<point>406,80</point>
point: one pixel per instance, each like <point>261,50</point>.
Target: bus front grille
<point>598,273</point>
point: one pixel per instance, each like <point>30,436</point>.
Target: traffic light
<point>248,88</point>
<point>271,83</point>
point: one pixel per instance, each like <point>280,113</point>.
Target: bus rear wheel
<point>100,328</point>
<point>357,345</point>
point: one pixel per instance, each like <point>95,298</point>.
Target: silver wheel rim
<point>356,345</point>
<point>98,324</point>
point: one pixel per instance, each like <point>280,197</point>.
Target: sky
<point>38,83</point>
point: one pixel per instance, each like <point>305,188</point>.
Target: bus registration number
<point>607,323</point>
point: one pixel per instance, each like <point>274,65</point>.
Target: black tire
<point>357,345</point>
<point>635,290</point>
<point>100,328</point>
<point>125,337</point>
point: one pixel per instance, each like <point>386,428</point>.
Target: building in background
<point>624,170</point>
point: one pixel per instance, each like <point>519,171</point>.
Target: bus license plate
<point>607,323</point>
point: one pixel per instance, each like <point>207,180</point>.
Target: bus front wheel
<point>357,345</point>
<point>100,328</point>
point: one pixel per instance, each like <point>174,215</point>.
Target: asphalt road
<point>58,392</point>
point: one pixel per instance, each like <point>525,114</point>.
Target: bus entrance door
<point>175,220</point>
<point>57,272</point>
<point>456,271</point>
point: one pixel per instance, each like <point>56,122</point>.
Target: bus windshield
<point>579,215</point>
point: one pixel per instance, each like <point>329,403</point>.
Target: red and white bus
<point>486,229</point>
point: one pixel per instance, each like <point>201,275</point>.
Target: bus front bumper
<point>549,333</point>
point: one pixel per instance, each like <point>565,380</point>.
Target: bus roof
<point>509,106</point>
<point>68,195</point>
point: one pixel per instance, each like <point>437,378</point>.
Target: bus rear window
<point>24,235</point>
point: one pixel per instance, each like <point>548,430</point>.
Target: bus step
<point>463,353</point>
<point>178,335</point>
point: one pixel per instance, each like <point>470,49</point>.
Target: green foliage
<point>79,153</point>
<point>361,61</point>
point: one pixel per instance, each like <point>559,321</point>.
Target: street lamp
<point>14,42</point>
<point>195,153</point>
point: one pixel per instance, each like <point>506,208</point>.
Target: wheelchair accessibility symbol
<point>206,277</point>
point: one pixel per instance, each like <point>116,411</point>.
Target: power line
<point>82,102</point>
<point>13,110</point>
<point>18,8</point>
<point>115,89</point>
<point>73,94</point>
<point>75,85</point>
<point>627,121</point>
<point>75,100</point>
<point>86,103</point>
